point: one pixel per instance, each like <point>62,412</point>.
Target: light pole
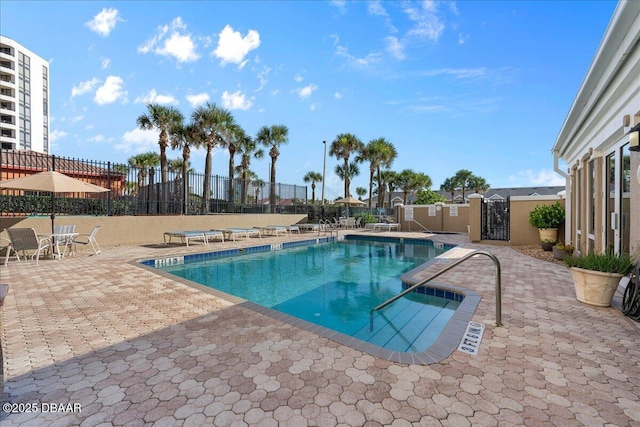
<point>324,168</point>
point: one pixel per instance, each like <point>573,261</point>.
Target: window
<point>625,200</point>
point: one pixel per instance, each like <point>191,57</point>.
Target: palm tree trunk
<point>272,190</point>
<point>232,153</point>
<point>206,185</point>
<point>370,186</point>
<point>346,177</point>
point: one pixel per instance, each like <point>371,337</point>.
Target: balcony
<point>7,106</point>
<point>9,65</point>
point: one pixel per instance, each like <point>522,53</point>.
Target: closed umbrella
<point>53,182</point>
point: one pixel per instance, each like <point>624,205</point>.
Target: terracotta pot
<point>594,287</point>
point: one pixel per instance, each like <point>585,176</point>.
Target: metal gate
<point>495,219</point>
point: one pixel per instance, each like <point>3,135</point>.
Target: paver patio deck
<point>134,348</point>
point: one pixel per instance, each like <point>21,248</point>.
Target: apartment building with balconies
<point>24,98</point>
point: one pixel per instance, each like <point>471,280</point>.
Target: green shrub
<point>605,263</point>
<point>367,217</point>
<point>547,216</point>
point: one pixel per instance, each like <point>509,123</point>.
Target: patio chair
<point>25,240</point>
<point>65,241</point>
<point>88,239</point>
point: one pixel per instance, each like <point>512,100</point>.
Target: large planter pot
<point>548,234</point>
<point>594,287</point>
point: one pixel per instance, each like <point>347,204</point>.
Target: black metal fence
<point>141,191</point>
<point>495,221</point>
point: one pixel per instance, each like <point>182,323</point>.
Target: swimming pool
<point>334,285</point>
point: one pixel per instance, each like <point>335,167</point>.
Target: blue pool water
<point>335,285</point>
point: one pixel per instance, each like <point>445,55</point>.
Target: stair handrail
<point>498,282</point>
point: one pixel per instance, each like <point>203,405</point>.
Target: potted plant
<point>560,250</point>
<point>547,219</point>
<point>596,276</point>
<point>547,244</point>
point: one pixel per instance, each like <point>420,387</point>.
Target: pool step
<point>405,324</point>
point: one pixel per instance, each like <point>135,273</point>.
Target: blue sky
<point>478,85</point>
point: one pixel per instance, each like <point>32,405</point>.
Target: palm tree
<point>343,147</point>
<point>353,170</point>
<point>389,179</point>
<point>257,184</point>
<point>380,153</point>
<point>361,191</point>
<point>410,180</point>
<point>462,178</point>
<point>478,184</point>
<point>236,135</point>
<point>161,118</point>
<point>313,177</point>
<point>272,137</point>
<point>247,147</point>
<point>142,162</point>
<point>183,137</point>
<point>214,127</point>
<point>449,185</point>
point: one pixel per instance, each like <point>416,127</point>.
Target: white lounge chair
<point>88,239</point>
<point>25,240</point>
<point>273,230</point>
<point>231,233</point>
<point>186,236</point>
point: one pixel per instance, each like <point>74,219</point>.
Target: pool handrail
<point>444,270</point>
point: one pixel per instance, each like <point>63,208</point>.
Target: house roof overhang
<point>618,43</point>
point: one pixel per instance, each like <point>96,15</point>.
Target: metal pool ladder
<point>444,270</point>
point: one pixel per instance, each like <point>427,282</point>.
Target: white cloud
<point>462,39</point>
<point>76,119</point>
<point>427,23</point>
<point>543,177</point>
<point>104,62</point>
<point>56,135</point>
<point>104,22</point>
<point>84,87</point>
<point>262,76</point>
<point>236,101</point>
<point>370,59</point>
<point>306,91</point>
<point>337,95</point>
<point>98,138</point>
<point>110,91</point>
<point>172,40</point>
<point>233,48</point>
<point>341,5</point>
<point>395,47</point>
<point>197,99</point>
<point>138,141</point>
<point>154,98</point>
<point>298,78</point>
<point>376,8</point>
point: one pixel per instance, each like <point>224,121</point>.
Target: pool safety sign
<point>471,339</point>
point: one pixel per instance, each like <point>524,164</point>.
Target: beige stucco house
<point>603,168</point>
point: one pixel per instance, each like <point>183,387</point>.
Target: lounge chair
<point>273,230</point>
<point>231,233</point>
<point>186,236</point>
<point>311,226</point>
<point>25,240</point>
<point>88,239</point>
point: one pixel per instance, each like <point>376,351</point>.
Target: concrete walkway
<point>97,340</point>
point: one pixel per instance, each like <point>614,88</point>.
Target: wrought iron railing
<point>140,191</point>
